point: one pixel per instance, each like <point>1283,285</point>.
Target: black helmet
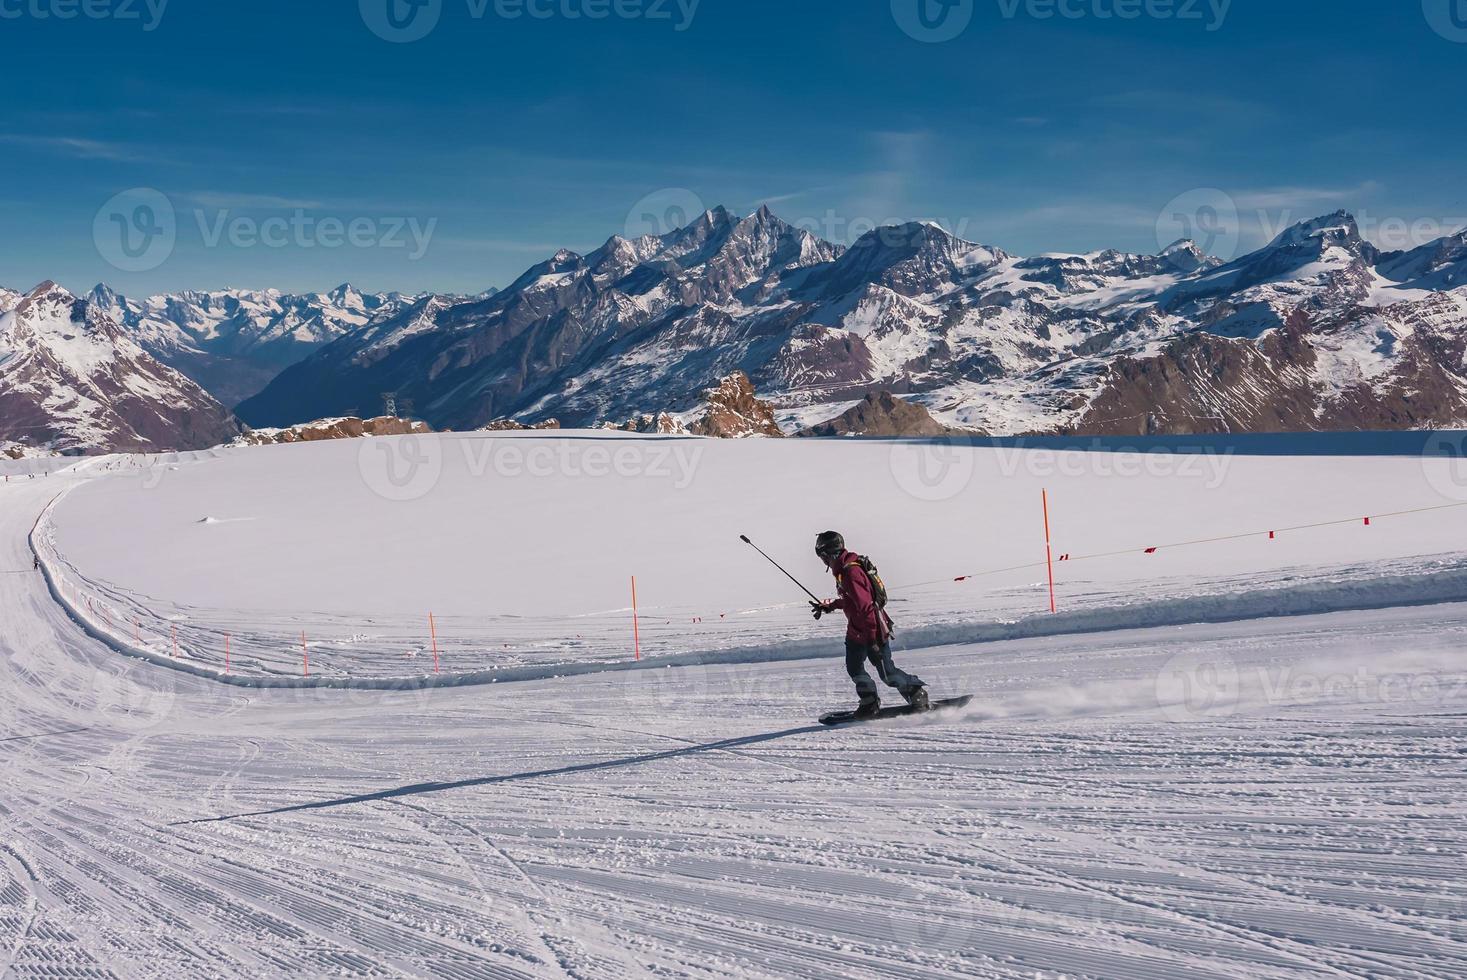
<point>830,544</point>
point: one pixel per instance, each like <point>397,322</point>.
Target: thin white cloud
<point>228,201</point>
<point>500,245</point>
<point>83,149</point>
<point>1274,198</point>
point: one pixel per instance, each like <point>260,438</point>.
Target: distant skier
<point>868,635</point>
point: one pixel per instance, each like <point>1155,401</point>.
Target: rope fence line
<point>1156,549</point>
<point>81,598</point>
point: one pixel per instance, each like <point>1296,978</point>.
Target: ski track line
<point>744,885</point>
<point>532,928</point>
<point>1028,867</point>
<point>1280,945</point>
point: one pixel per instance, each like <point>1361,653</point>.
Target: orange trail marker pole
<point>1049,554</point>
<point>636,626</point>
<point>305,653</point>
<point>433,631</point>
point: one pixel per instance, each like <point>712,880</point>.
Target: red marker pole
<point>433,631</point>
<point>636,626</point>
<point>305,653</point>
<point>1049,554</point>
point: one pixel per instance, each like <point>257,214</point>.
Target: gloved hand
<point>821,608</point>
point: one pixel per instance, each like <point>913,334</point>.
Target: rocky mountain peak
<point>880,413</point>
<point>1337,230</point>
<point>735,412</point>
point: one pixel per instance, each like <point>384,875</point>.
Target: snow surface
<point>1257,797</point>
<point>314,538</point>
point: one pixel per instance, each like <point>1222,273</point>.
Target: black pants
<point>879,656</point>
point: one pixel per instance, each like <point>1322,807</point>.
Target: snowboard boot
<point>917,699</point>
<point>868,708</point>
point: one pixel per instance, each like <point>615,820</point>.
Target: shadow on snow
<point>419,789</point>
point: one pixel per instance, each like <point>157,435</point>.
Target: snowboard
<point>849,717</point>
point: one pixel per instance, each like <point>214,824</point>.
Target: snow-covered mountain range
<point>233,342</point>
<point>73,379</point>
<point>1317,330</point>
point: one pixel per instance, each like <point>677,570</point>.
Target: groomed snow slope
<point>523,546</point>
<point>1277,798</point>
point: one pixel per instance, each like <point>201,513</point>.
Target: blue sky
<point>501,139</point>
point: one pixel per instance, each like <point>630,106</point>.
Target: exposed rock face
<point>11,450</point>
<point>326,429</point>
<point>72,380</point>
<point>661,423</point>
<point>510,425</point>
<point>735,413</point>
<point>1317,329</point>
<point>581,337</point>
<point>881,414</point>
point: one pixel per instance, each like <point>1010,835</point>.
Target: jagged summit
<point>1315,329</point>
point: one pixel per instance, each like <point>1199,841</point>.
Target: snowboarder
<point>868,635</point>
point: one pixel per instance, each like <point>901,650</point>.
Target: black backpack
<point>878,587</point>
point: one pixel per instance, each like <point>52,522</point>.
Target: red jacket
<point>867,622</point>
